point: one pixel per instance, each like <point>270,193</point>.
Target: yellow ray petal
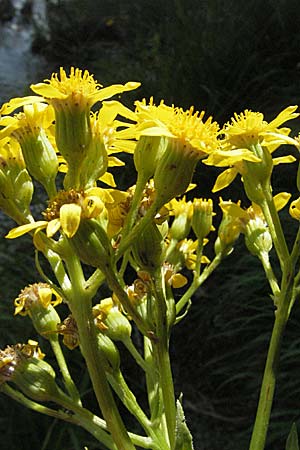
<point>70,215</point>
<point>224,179</point>
<point>281,199</point>
<point>110,91</point>
<point>23,229</point>
<point>52,227</point>
<point>15,103</point>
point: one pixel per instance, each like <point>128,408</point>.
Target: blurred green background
<point>220,56</point>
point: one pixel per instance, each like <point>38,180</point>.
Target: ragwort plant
<point>133,259</point>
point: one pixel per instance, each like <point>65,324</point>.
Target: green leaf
<point>292,440</point>
<point>183,439</point>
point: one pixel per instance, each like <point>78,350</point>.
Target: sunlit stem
<point>138,228</point>
<point>81,307</point>
<point>265,260</point>
<point>164,365</point>
<point>198,280</point>
<point>133,212</point>
<point>69,383</point>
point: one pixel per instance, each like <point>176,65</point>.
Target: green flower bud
<point>228,233</point>
<point>92,244</point>
<point>23,365</point>
<point>16,187</point>
<point>109,350</point>
<point>256,175</point>
<point>36,379</point>
<point>94,164</point>
<point>257,237</point>
<point>202,217</point>
<point>40,159</point>
<point>147,248</point>
<point>174,171</point>
<point>147,154</point>
<point>181,224</point>
<point>110,320</point>
<point>36,301</point>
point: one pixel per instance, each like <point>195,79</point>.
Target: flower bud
<point>174,171</point>
<point>94,164</point>
<point>36,379</point>
<point>147,154</point>
<point>257,237</point>
<point>110,320</point>
<point>109,350</point>
<point>40,159</point>
<point>92,244</point>
<point>16,187</point>
<point>36,301</point>
<point>257,174</point>
<point>147,248</point>
<point>22,364</point>
<point>181,224</point>
<point>202,217</point>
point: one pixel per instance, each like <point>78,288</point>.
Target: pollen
<point>62,198</point>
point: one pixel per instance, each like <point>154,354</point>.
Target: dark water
<point>19,67</point>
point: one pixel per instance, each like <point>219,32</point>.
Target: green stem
<point>284,298</point>
<point>275,228</point>
<point>197,281</point>
<point>69,383</point>
<point>81,307</point>
<point>164,364</point>
<point>262,419</point>
<point>136,355</point>
<point>138,228</point>
<point>265,260</point>
<point>124,393</point>
<point>134,207</point>
<point>116,287</point>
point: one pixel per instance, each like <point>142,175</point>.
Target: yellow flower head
<point>295,209</point>
<point>40,293</point>
<point>188,250</point>
<point>250,128</point>
<point>13,356</point>
<point>79,89</point>
<point>65,212</point>
<point>27,123</point>
<point>186,126</point>
<point>248,139</point>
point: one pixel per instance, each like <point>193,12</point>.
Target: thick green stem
<point>81,307</point>
<point>262,419</point>
<point>164,364</point>
<point>284,298</point>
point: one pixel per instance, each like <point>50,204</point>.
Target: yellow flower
<point>170,121</point>
<point>38,293</point>
<point>16,187</point>
<point>29,129</point>
<point>72,97</point>
<point>66,211</point>
<point>295,209</point>
<point>250,221</point>
<point>13,356</point>
<point>77,90</point>
<point>188,249</point>
<point>249,138</point>
<point>182,212</point>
